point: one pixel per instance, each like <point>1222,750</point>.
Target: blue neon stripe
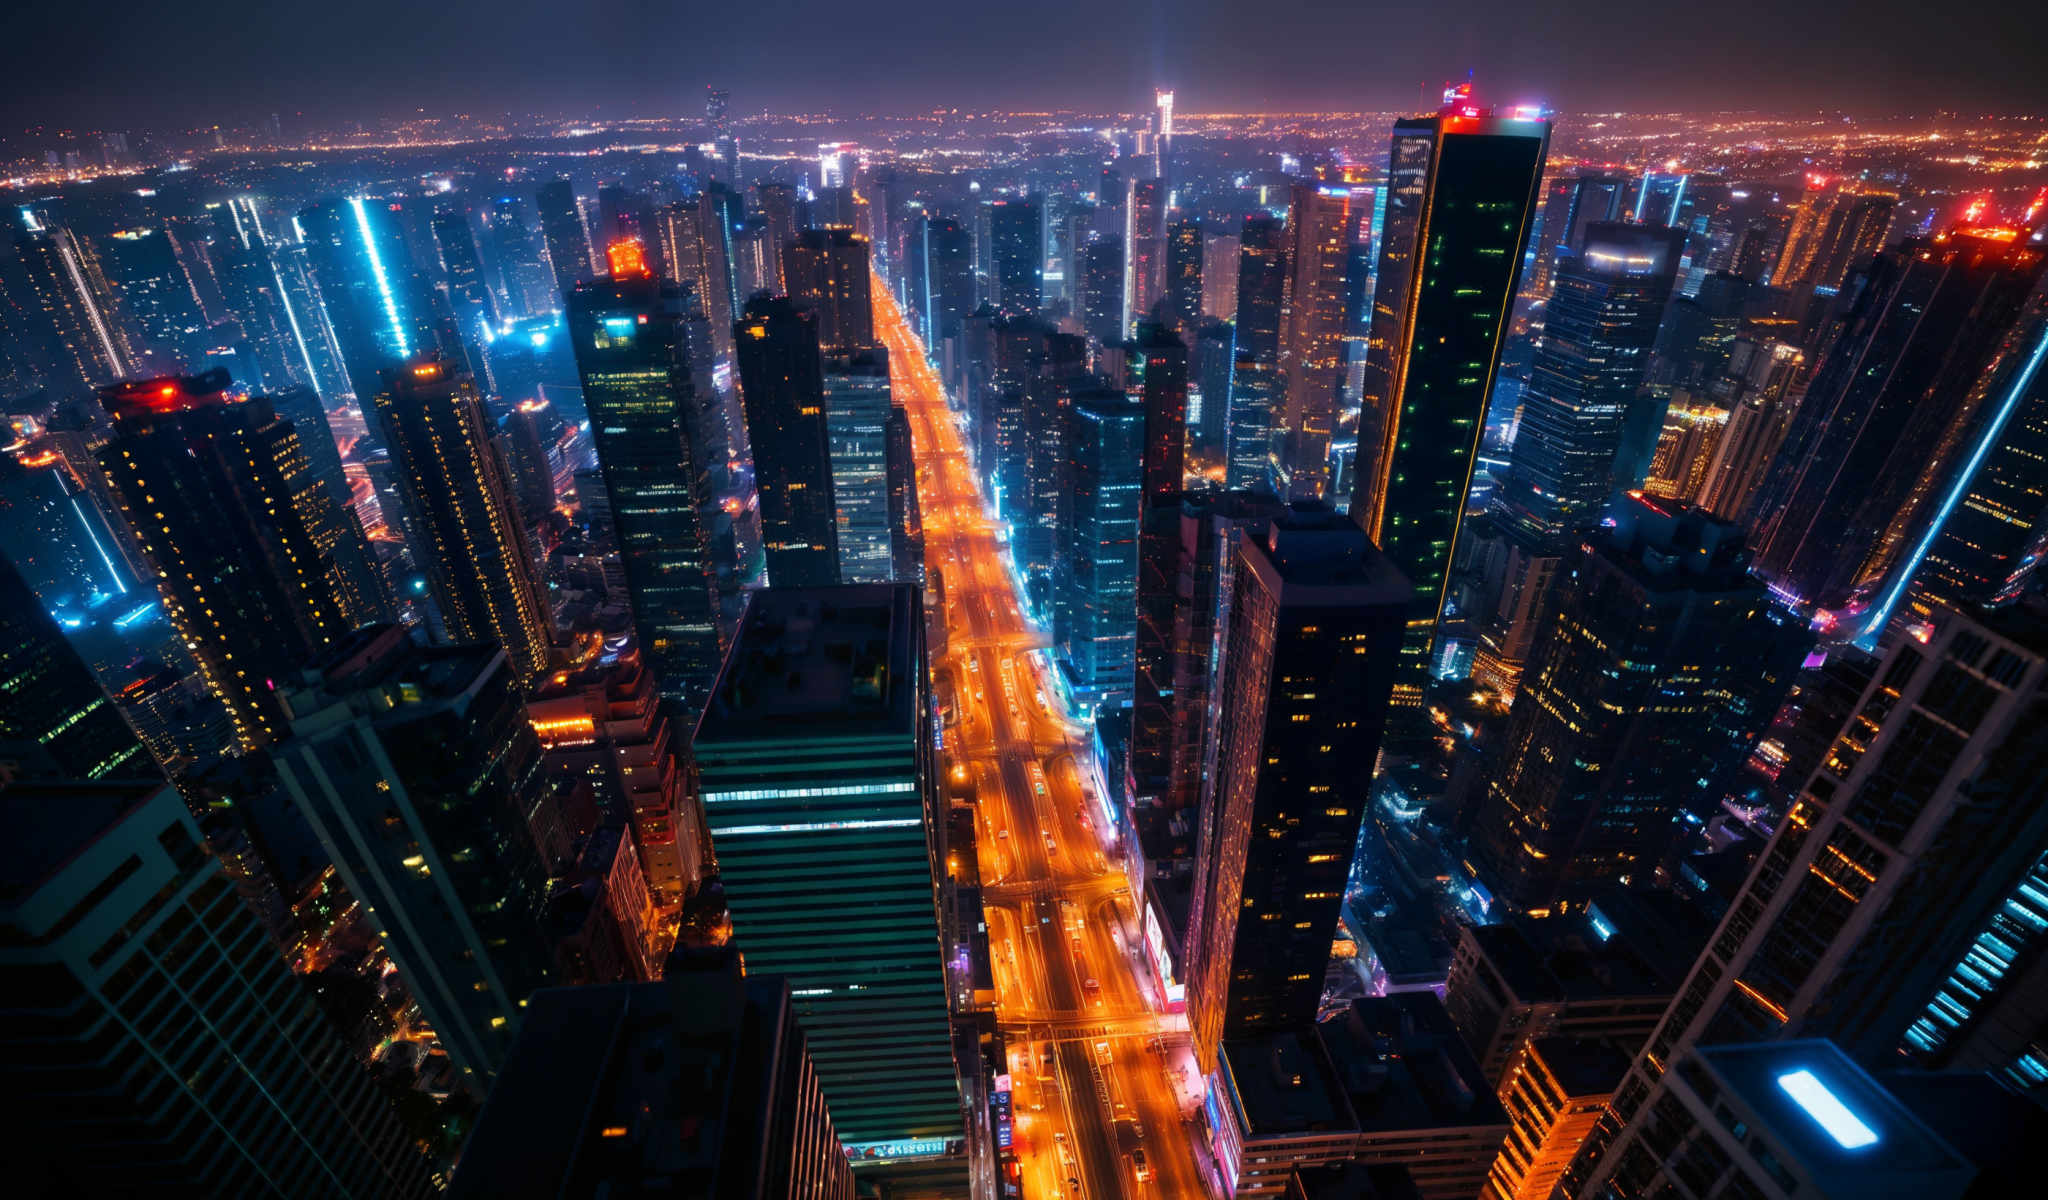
<point>1992,430</point>
<point>383,281</point>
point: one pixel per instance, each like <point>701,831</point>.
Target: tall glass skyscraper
<point>1320,225</point>
<point>650,426</point>
<point>782,384</point>
<point>819,783</point>
<point>1461,191</point>
<point>561,226</point>
<point>375,300</point>
<point>1255,385</point>
<point>49,700</point>
<point>1016,255</point>
<point>1095,546</point>
<point>857,411</point>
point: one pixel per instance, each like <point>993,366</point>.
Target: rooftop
<point>51,823</point>
<point>1285,1084</point>
<point>836,659</point>
<point>1403,1066</point>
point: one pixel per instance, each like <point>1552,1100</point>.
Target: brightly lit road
<point>1101,1081</point>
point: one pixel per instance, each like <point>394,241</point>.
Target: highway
<point>1102,1080</point>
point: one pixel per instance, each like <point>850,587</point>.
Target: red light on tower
<point>628,258</point>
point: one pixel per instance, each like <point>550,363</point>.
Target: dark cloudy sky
<point>122,63</point>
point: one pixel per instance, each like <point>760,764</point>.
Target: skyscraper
<point>72,290</point>
<point>718,115</point>
<point>216,493</point>
<point>782,384</point>
<point>1462,187</point>
<point>696,242</point>
<point>1184,253</point>
<point>906,520</point>
<point>1099,290</point>
<point>1308,664</point>
<point>948,279</point>
<point>1095,546</point>
<point>1605,306</point>
<point>373,297</point>
<point>1658,662</point>
<point>1161,364</point>
<point>857,409</point>
<point>1885,414</point>
<point>49,700</point>
<point>1881,876</point>
<point>828,274</point>
<point>457,497</point>
<point>777,203</point>
<point>1320,222</point>
<point>467,287</point>
<point>654,435</point>
<point>816,765</point>
<point>418,771</point>
<point>1144,252</point>
<point>561,226</point>
<point>1255,386</point>
<point>1016,255</point>
<point>157,297</point>
<point>165,1047</point>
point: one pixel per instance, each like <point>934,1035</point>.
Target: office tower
<point>1277,1108</point>
<point>1099,290</point>
<point>651,429</point>
<point>627,215</point>
<point>1095,547</point>
<point>70,287</point>
<point>857,412</point>
<point>157,297</point>
<point>777,204</point>
<point>1144,214</point>
<point>1308,660</point>
<point>525,283</point>
<point>165,1047</point>
<point>464,530</point>
<point>1886,414</point>
<point>1255,385</point>
<point>374,300</point>
<point>1318,240</point>
<point>561,226</point>
<point>254,295</point>
<point>1184,254</point>
<point>1757,389</point>
<point>694,240</point>
<point>1162,139</point>
<point>1605,971</point>
<point>948,279</point>
<point>1658,663</point>
<point>468,290</point>
<point>816,766</point>
<point>1161,366</point>
<point>1989,547</point>
<point>1213,360</point>
<point>828,274</point>
<point>1211,525</point>
<point>717,114</point>
<point>1016,232</point>
<point>1605,306</point>
<point>1879,878</point>
<point>418,770</point>
<point>1220,255</point>
<point>782,384</point>
<point>49,699</point>
<point>629,1067</point>
<point>753,259</point>
<point>1419,1099</point>
<point>1058,363</point>
<point>1460,193</point>
<point>906,521</point>
<point>218,495</point>
<point>356,576</point>
<point>606,725</point>
<point>1554,1095</point>
<point>1571,205</point>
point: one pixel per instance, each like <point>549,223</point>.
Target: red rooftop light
<point>628,258</point>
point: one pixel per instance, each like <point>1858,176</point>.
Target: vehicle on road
<point>1140,1169</point>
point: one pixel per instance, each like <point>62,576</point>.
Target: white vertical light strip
<point>398,337</point>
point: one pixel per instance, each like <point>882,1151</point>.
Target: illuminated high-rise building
<point>1162,139</point>
<point>1461,190</point>
<point>49,699</point>
<point>1016,229</point>
<point>819,781</point>
<point>1255,384</point>
<point>1889,412</point>
<point>828,274</point>
<point>651,428</point>
<point>568,242</point>
<point>157,298</point>
<point>1160,363</point>
<point>1318,236</point>
<point>777,204</point>
<point>1862,921</point>
<point>1184,252</point>
<point>254,295</point>
<point>1095,545</point>
<point>696,242</point>
<point>857,408</point>
<point>457,497</point>
<point>357,576</point>
<point>468,288</point>
<point>217,493</point>
<point>1657,663</point>
<point>1758,391</point>
<point>1144,215</point>
<point>1607,300</point>
<point>1220,253</point>
<point>906,520</point>
<point>1214,361</point>
<point>373,299</point>
<point>72,290</point>
<point>718,115</point>
<point>1099,288</point>
<point>417,768</point>
<point>524,282</point>
<point>948,280</point>
<point>166,1048</point>
<point>1315,628</point>
<point>783,387</point>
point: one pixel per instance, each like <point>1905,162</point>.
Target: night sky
<point>132,65</point>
